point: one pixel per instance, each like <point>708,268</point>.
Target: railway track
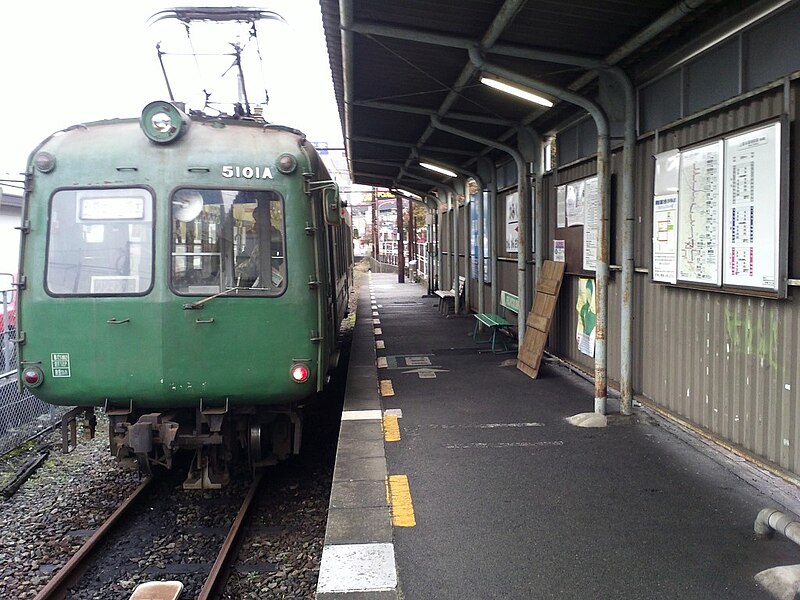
<point>76,578</point>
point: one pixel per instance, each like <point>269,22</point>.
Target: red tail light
<point>32,377</point>
<point>299,372</point>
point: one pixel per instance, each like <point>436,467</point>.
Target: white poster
<point>591,222</point>
<point>665,238</point>
<point>700,214</point>
<point>512,222</point>
<point>752,208</point>
<point>561,206</point>
<point>574,200</point>
<point>667,174</point>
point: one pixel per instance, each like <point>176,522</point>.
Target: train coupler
<point>151,437</point>
<point>206,472</point>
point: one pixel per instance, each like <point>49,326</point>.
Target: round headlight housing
<point>32,376</point>
<point>299,372</point>
<point>163,122</point>
<point>286,164</point>
<point>44,162</point>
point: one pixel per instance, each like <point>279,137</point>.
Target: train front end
<point>174,275</point>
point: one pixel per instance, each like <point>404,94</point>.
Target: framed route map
<point>720,213</point>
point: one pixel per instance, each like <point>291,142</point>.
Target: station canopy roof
<point>399,65</point>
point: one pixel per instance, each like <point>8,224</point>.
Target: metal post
<point>401,263</point>
<point>481,252</point>
<point>628,264</point>
<point>375,226</point>
<point>412,238</point>
<point>454,246</point>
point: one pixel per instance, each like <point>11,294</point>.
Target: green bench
<point>496,323</point>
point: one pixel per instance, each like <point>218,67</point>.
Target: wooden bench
<point>447,298</point>
<point>508,302</point>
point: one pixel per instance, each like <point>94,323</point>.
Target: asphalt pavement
<point>505,499</point>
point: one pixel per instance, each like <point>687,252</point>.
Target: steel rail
<point>57,586</point>
<point>217,577</point>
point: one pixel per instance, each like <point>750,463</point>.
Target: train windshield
<point>100,242</point>
<point>223,239</point>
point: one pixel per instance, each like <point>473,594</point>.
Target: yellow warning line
<point>398,494</point>
<point>391,428</point>
<point>386,387</point>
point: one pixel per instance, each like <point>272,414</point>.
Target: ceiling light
<point>408,194</point>
<point>438,169</point>
<point>519,92</point>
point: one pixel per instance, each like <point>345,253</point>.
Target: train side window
<point>217,237</point>
<point>100,242</point>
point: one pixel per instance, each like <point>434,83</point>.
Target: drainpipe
<point>524,216</point>
<point>429,246</point>
<point>486,165</point>
<point>628,263</point>
<point>454,255</point>
<point>770,520</point>
<point>530,137</point>
<point>493,239</point>
<point>602,268</point>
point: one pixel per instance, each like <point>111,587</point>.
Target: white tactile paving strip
<point>357,568</point>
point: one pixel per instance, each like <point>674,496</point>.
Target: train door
<point>227,274</point>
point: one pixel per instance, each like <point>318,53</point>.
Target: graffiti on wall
<point>754,336</point>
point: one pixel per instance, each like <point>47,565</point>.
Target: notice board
<point>720,213</point>
<point>577,222</point>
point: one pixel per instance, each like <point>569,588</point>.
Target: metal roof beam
<point>454,41</point>
<point>429,112</point>
<point>394,143</point>
<point>505,15</point>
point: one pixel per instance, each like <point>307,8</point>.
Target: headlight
<point>163,122</point>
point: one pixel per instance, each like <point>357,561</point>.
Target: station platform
<point>458,477</point>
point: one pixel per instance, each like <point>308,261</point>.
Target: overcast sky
<point>85,60</point>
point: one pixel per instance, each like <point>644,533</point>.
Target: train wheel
<point>259,447</point>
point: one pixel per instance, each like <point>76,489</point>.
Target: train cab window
<point>217,242</point>
<point>100,242</point>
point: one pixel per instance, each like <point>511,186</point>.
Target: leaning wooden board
<point>537,325</point>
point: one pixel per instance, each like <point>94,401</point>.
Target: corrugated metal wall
<point>728,363</point>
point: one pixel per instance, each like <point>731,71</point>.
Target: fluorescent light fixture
<point>438,169</point>
<point>408,194</point>
<point>516,91</point>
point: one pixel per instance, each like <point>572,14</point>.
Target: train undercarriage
<point>218,436</point>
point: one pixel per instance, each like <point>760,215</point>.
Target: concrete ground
<point>505,498</point>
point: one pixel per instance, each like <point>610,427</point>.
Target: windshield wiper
<point>199,304</point>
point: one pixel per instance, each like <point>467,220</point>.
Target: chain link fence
<point>22,415</point>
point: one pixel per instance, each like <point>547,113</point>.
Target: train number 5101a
<point>229,171</point>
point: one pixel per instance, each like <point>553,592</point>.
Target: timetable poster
<point>700,214</point>
<point>512,223</point>
<point>591,222</point>
<point>752,208</point>
<point>561,206</point>
<point>665,238</point>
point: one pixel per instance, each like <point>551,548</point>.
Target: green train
<point>188,274</point>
